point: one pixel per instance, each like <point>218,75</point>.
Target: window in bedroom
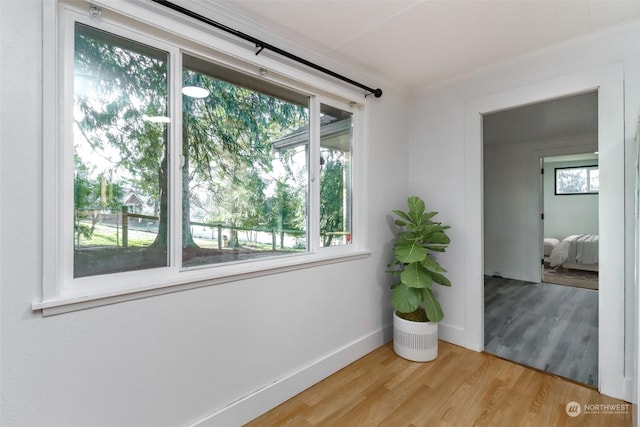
<point>577,180</point>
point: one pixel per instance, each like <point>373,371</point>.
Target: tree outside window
<point>244,158</point>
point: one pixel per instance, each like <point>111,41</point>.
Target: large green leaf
<point>408,235</point>
<point>416,276</point>
<point>405,299</point>
<point>437,237</point>
<point>432,265</point>
<point>432,306</point>
<point>427,216</point>
<point>400,223</point>
<point>416,208</point>
<point>403,215</point>
<point>439,278</point>
<point>415,228</point>
<point>409,251</point>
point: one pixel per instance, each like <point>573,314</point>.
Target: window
<point>120,147</point>
<point>178,165</point>
<point>577,180</point>
<point>336,137</point>
<point>244,193</point>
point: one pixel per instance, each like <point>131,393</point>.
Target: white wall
<point>443,167</point>
<point>512,241</point>
<point>174,359</point>
<point>566,215</point>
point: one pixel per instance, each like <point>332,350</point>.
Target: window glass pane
<point>577,180</point>
<point>245,147</point>
<point>336,138</point>
<point>120,154</point>
<point>571,181</point>
<point>594,180</point>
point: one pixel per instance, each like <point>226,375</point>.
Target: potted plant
<point>417,310</point>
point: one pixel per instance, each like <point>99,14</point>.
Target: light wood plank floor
<point>460,388</point>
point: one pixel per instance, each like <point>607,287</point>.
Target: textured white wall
<point>177,358</point>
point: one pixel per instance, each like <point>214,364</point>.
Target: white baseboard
<point>629,390</point>
<point>452,334</point>
<point>262,400</point>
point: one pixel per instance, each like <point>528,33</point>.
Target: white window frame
<point>63,293</point>
<point>588,168</point>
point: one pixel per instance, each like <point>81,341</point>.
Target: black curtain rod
<point>262,45</point>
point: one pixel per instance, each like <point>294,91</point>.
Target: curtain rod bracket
<point>262,45</point>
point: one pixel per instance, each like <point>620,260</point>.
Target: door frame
<point>609,82</point>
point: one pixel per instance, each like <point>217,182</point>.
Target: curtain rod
<point>263,45</point>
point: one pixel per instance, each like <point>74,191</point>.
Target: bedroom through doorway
<point>570,187</point>
<point>529,317</point>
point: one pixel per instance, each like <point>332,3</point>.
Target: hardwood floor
<point>549,327</point>
<point>460,388</point>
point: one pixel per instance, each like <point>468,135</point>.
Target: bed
<point>577,252</point>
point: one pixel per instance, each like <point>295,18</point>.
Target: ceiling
<point>562,118</point>
<point>421,43</point>
<point>591,157</point>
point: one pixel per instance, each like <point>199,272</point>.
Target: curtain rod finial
<point>377,93</point>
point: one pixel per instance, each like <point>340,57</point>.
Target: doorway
<point>569,188</point>
<point>608,81</point>
<point>528,320</point>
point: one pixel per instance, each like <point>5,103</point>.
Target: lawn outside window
<point>176,166</point>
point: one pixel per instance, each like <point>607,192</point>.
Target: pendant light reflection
<point>195,91</point>
<point>156,119</point>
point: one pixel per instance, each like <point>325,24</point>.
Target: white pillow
<point>549,244</point>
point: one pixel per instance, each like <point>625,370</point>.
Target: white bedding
<point>576,249</point>
<point>549,244</point>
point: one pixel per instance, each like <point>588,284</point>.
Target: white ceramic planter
<point>415,341</point>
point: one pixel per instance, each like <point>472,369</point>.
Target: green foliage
<point>331,191</point>
<point>117,83</point>
<point>286,207</point>
<point>226,145</point>
<point>413,263</point>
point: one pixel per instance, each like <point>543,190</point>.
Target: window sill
<point>66,304</point>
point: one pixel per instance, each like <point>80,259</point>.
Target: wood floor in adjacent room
<point>460,388</point>
<point>546,326</point>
